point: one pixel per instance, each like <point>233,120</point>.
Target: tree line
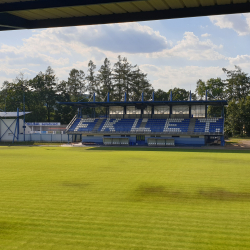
<point>43,93</point>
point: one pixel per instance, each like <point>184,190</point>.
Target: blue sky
<point>174,53</point>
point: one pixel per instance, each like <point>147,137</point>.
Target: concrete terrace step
<point>98,124</point>
<point>143,123</point>
<point>191,125</point>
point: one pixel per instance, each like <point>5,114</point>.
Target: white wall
<point>7,134</point>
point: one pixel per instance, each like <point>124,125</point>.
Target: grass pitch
<point>109,198</point>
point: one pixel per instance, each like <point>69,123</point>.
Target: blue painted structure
<point>183,128</point>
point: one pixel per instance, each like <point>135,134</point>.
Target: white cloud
<point>205,35</point>
<point>240,23</point>
<point>192,48</point>
<point>183,77</point>
<point>118,38</point>
<point>67,48</point>
<point>239,59</point>
<point>243,61</point>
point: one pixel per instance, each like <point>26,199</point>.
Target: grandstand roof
<point>144,103</point>
<point>33,14</point>
<point>12,114</point>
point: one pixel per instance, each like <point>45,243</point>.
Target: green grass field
<point>111,198</point>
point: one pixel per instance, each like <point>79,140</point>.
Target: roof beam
<point>8,21</point>
<point>43,4</point>
<point>143,16</point>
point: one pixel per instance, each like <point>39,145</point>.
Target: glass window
<point>131,110</point>
<point>180,110</point>
<point>116,110</point>
<point>147,111</point>
<point>198,110</point>
<point>162,110</point>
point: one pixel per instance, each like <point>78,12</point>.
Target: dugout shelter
<point>152,123</point>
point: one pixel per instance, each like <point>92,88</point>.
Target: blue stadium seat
<point>171,125</point>
<point>209,125</point>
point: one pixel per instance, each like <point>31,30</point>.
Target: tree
<point>76,84</point>
<point>201,88</point>
<point>118,77</point>
<point>44,88</point>
<point>237,84</point>
<point>179,94</point>
<point>105,80</point>
<point>93,86</point>
<point>140,84</point>
<point>161,95</point>
<point>122,75</point>
<point>215,88</point>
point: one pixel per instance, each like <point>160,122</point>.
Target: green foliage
<point>238,117</point>
<point>215,89</point>
<point>104,78</point>
<point>109,198</point>
<point>43,92</point>
<point>237,84</point>
<point>179,94</point>
<point>236,89</point>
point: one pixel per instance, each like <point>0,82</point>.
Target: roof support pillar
<point>124,111</point>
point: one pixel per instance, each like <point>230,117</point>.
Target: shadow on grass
<point>160,193</point>
<point>191,150</point>
<point>29,143</point>
<point>26,143</point>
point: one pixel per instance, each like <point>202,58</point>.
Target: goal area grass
<point>124,198</point>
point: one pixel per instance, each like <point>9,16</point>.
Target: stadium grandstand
<point>152,123</point>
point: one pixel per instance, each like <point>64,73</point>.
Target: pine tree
<point>118,79</point>
<point>76,84</point>
<point>140,84</point>
<point>105,80</point>
<point>93,84</point>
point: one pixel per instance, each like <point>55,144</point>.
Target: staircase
<point>143,123</point>
<point>191,125</point>
<point>70,124</point>
<point>97,125</point>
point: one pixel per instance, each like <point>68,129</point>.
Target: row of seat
<point>147,125</point>
<point>210,125</point>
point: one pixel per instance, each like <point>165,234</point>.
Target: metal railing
<point>71,123</point>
